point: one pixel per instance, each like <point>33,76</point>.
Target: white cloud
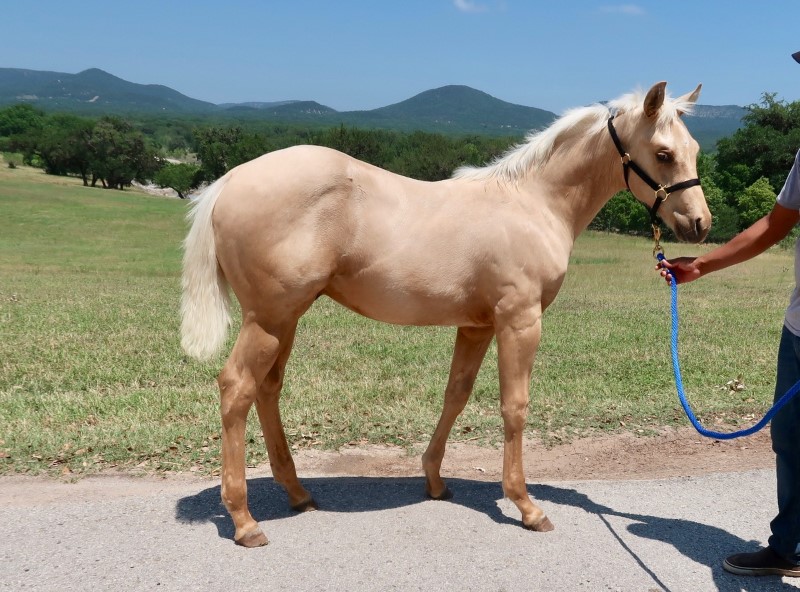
<point>470,6</point>
<point>628,9</point>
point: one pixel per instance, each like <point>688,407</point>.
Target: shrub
<point>756,201</point>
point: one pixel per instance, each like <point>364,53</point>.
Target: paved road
<point>376,534</point>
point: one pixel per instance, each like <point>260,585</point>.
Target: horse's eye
<point>664,157</point>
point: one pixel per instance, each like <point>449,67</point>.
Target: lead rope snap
<point>658,250</point>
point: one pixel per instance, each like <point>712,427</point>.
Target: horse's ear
<point>655,98</point>
<point>690,98</point>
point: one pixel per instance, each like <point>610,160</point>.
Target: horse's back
<point>288,175</point>
<point>305,176</point>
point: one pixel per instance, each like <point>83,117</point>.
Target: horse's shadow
<point>267,500</point>
<point>702,543</point>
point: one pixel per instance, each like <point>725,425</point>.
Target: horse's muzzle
<point>691,229</point>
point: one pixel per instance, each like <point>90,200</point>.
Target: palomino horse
<point>485,251</point>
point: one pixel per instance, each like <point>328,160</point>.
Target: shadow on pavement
<point>268,501</point>
<point>703,544</point>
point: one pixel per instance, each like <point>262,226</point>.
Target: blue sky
<point>362,54</point>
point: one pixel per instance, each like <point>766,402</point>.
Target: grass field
<point>92,376</point>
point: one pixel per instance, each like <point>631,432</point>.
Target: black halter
<point>662,193</point>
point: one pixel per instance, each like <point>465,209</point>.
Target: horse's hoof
<point>254,538</point>
<point>543,525</point>
<point>445,495</point>
<point>308,505</point>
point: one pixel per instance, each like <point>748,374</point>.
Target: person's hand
<point>683,269</point>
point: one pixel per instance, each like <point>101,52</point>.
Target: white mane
<point>582,121</point>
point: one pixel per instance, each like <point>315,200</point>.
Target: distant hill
<point>450,109</point>
<point>285,110</point>
<point>254,105</point>
<point>458,109</point>
<point>708,123</point>
<point>92,91</point>
<point>278,109</point>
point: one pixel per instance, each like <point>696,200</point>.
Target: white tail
<point>205,302</point>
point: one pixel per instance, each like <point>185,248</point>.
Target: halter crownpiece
<point>628,165</point>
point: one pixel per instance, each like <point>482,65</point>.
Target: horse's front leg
<point>517,342</point>
<point>470,349</point>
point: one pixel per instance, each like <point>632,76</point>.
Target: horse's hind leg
<point>470,349</point>
<point>280,457</point>
<point>252,357</point>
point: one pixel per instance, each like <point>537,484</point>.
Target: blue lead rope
<point>679,382</point>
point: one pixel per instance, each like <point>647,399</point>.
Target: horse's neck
<point>580,179</point>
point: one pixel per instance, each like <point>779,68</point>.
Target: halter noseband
<point>662,193</point>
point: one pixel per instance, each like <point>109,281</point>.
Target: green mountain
<point>450,109</point>
<point>709,123</point>
<point>92,91</point>
<point>284,111</point>
<point>458,109</point>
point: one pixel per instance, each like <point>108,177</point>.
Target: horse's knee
<point>514,417</point>
<point>514,410</point>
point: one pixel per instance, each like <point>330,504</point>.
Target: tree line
<point>114,152</point>
<point>740,178</point>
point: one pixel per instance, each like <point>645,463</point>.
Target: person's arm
<point>752,241</point>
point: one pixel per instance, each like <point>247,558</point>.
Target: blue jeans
<point>785,430</point>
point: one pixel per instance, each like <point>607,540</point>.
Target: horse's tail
<point>205,302</point>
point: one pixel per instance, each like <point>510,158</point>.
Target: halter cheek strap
<point>628,165</point>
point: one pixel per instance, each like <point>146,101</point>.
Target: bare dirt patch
<point>674,453</point>
<point>607,457</point>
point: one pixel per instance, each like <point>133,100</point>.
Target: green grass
<point>92,376</point>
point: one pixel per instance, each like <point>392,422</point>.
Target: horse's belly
<point>400,305</point>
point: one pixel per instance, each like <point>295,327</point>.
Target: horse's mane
<point>588,122</point>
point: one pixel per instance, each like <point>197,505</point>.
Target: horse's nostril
<point>700,227</point>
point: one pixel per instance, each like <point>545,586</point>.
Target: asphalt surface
<point>374,534</point>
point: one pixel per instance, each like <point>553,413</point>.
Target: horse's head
<point>662,154</point>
